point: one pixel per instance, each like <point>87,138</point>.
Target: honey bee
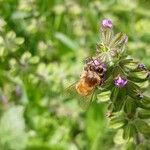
<point>91,77</point>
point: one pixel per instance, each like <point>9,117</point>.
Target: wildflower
<point>120,82</point>
<point>107,23</point>
<point>110,45</point>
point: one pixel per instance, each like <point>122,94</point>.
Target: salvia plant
<point>125,83</point>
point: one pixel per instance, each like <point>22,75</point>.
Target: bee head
<point>96,65</point>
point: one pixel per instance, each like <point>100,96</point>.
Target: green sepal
<point>144,114</point>
<point>142,126</point>
<point>118,97</point>
<point>106,35</point>
<point>130,106</point>
<point>129,131</point>
<point>130,65</point>
<point>118,39</point>
<point>139,76</point>
<point>103,96</point>
<point>145,101</point>
<point>114,94</point>
<point>125,62</point>
<point>108,84</point>
<point>118,71</point>
<point>133,90</point>
<point>117,121</point>
<point>109,72</point>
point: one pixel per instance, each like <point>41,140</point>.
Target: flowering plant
<point>126,81</point>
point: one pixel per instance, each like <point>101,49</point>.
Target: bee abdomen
<point>83,88</point>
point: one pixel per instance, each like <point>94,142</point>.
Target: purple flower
<point>141,67</point>
<point>107,23</point>
<point>120,82</point>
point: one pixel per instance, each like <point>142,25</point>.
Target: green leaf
<point>95,121</point>
<point>118,39</point>
<point>67,41</point>
<point>12,129</point>
<point>144,114</point>
<point>139,76</point>
<point>118,71</point>
<point>125,61</point>
<point>130,106</point>
<point>104,96</point>
<point>146,101</point>
<point>142,147</point>
<point>106,36</point>
<point>133,90</point>
<point>117,122</point>
<point>118,97</point>
<point>129,64</point>
<point>114,94</point>
<point>108,84</point>
<point>129,131</point>
<point>142,127</point>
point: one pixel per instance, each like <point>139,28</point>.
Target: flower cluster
<point>110,45</point>
<point>125,83</point>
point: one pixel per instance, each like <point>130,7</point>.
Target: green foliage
<point>12,129</point>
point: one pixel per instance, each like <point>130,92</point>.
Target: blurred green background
<point>42,47</point>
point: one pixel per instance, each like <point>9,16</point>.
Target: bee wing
<point>84,101</point>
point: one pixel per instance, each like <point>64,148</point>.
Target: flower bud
<point>141,67</point>
<point>120,82</point>
<point>107,23</point>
